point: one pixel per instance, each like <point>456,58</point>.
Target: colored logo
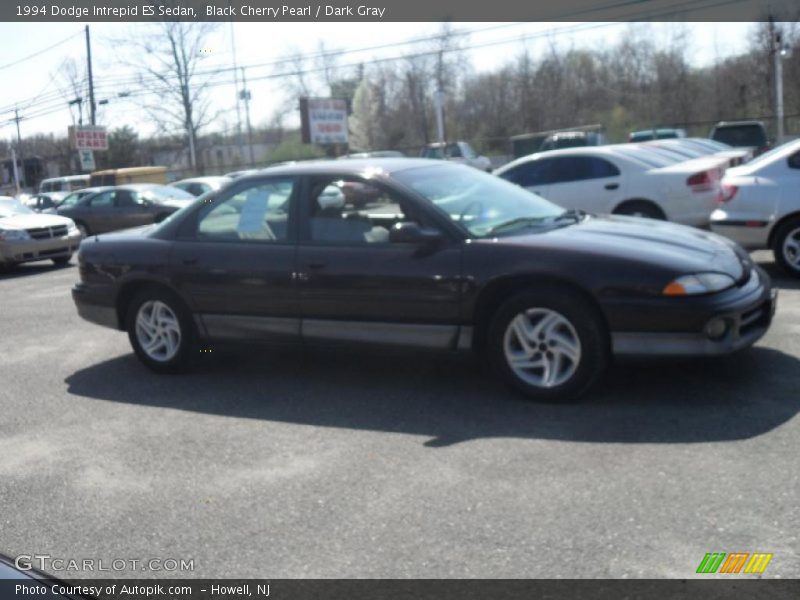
<point>734,563</point>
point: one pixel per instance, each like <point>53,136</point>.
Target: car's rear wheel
<point>550,344</point>
<point>640,208</point>
<point>160,331</point>
<point>786,247</point>
<point>61,261</point>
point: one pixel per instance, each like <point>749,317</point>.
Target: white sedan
<point>761,205</point>
<point>625,180</point>
<point>27,236</point>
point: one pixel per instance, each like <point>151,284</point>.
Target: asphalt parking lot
<point>317,463</point>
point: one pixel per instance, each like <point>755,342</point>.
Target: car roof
<point>202,179</point>
<point>353,166</point>
<point>738,123</point>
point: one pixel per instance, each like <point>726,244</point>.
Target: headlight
<point>72,229</point>
<point>14,235</point>
<point>699,283</point>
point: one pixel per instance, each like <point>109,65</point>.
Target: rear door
<point>131,210</point>
<point>585,182</point>
<point>98,212</point>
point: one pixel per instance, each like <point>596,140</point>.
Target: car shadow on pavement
<point>31,269</point>
<point>454,399</point>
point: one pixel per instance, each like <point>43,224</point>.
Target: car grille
<point>46,233</point>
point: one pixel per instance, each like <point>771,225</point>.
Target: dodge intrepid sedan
<point>442,256</point>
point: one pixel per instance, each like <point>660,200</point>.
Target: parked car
<point>374,154</point>
<point>572,139</point>
<point>64,184</point>
<point>26,236</point>
<point>445,258</point>
<point>197,186</point>
<point>761,205</point>
<point>656,134</point>
<point>460,152</point>
<point>73,198</point>
<point>237,174</point>
<point>124,206</point>
<point>734,156</point>
<point>742,134</point>
<point>41,202</point>
<point>624,180</point>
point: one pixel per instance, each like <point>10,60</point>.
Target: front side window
<point>354,211</point>
<point>259,212</point>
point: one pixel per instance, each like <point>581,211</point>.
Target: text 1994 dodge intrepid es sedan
<point>441,256</point>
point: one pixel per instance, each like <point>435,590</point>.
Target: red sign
<point>88,137</point>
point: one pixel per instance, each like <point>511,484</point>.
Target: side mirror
<point>412,233</point>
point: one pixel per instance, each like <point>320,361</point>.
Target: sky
<point>32,84</point>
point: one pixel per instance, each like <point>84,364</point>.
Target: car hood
<point>678,248</point>
<point>33,221</point>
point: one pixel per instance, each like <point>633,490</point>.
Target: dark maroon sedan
<point>437,256</point>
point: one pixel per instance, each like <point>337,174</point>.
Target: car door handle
<point>611,186</point>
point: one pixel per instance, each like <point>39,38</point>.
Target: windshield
<point>478,202</point>
<point>9,208</point>
<point>768,157</point>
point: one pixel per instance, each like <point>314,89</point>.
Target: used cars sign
<point>324,120</point>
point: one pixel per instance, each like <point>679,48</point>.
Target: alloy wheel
<point>791,249</point>
<point>158,330</point>
<point>542,347</point>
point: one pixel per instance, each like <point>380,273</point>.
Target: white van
<point>64,184</point>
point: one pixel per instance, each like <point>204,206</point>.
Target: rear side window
<point>741,135</point>
<point>794,161</point>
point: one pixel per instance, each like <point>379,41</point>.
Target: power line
<point>40,52</point>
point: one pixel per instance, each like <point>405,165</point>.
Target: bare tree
<point>170,54</point>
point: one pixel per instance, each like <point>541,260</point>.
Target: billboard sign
<point>88,137</point>
<point>324,120</point>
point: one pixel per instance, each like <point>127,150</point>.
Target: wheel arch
<point>503,288</point>
<point>652,203</point>
<point>130,289</point>
<point>780,223</point>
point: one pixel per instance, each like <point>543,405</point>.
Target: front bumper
<point>33,250</point>
<point>746,313</point>
<point>95,305</point>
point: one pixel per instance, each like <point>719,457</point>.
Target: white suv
<point>761,205</point>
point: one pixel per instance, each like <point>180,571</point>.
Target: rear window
<point>645,157</point>
<point>741,135</point>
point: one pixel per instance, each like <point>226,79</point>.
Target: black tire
<point>586,325</point>
<point>788,260</point>
<point>640,208</point>
<point>180,360</point>
<point>62,261</point>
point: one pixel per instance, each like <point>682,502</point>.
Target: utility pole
<point>239,136</point>
<point>777,51</point>
<point>440,102</point>
<point>246,97</point>
<point>92,107</point>
<point>17,118</point>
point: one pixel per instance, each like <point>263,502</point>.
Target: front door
<point>234,262</point>
<point>356,285</point>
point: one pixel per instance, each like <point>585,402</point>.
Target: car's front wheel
<point>549,344</point>
<point>787,247</point>
<point>160,331</point>
<point>61,261</point>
